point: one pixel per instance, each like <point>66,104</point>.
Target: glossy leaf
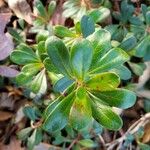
<point>137,68</point>
<point>52,106</point>
<point>87,26</point>
<point>120,98</point>
<point>16,35</point>
<point>50,66</point>
<point>148,18</point>
<point>100,41</point>
<point>24,55</point>
<point>58,118</point>
<point>40,8</point>
<point>129,43</point>
<point>34,139</point>
<point>143,146</point>
<point>58,54</point>
<point>103,82</point>
<point>112,59</point>
<point>62,84</point>
<point>106,117</point>
<point>87,143</point>
<point>81,57</point>
<point>98,15</point>
<point>144,9</point>
<point>142,47</point>
<point>51,8</point>
<point>42,35</point>
<point>30,112</point>
<point>126,11</point>
<point>147,105</point>
<point>27,73</point>
<point>62,31</point>
<point>24,133</point>
<point>37,82</point>
<point>123,72</point>
<point>80,115</point>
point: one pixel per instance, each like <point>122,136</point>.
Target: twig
<point>133,129</point>
<point>102,141</point>
<point>73,142</point>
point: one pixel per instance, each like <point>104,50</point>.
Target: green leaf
<point>37,82</point>
<point>143,146</point>
<point>78,28</point>
<point>31,69</point>
<point>123,72</point>
<point>103,82</point>
<point>59,139</point>
<point>81,57</point>
<point>23,79</point>
<point>28,72</point>
<point>148,18</point>
<point>129,43</point>
<point>98,15</point>
<point>137,68</point>
<point>97,128</point>
<point>62,31</point>
<point>69,12</point>
<point>120,98</point>
<point>51,106</point>
<point>40,8</point>
<point>35,138</point>
<point>142,47</point>
<point>24,55</point>
<point>100,41</point>
<point>144,10</point>
<point>51,8</point>
<point>24,133</point>
<point>16,35</point>
<point>147,105</point>
<point>136,20</point>
<point>80,115</point>
<point>87,143</point>
<point>112,59</point>
<point>97,1</point>
<point>126,11</point>
<point>147,55</point>
<point>62,84</point>
<point>30,113</point>
<point>41,49</point>
<point>59,55</point>
<point>50,66</point>
<point>58,118</point>
<point>42,35</point>
<point>87,26</point>
<point>106,117</point>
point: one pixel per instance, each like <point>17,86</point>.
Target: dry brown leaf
<point>146,136</point>
<point>6,101</point>
<point>57,17</point>
<point>6,43</point>
<point>21,9</point>
<point>45,146</point>
<point>1,3</point>
<point>4,115</point>
<point>14,145</point>
<point>8,72</point>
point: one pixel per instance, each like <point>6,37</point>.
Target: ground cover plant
<point>75,74</point>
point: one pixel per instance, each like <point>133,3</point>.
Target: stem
<point>73,142</point>
<point>133,129</point>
